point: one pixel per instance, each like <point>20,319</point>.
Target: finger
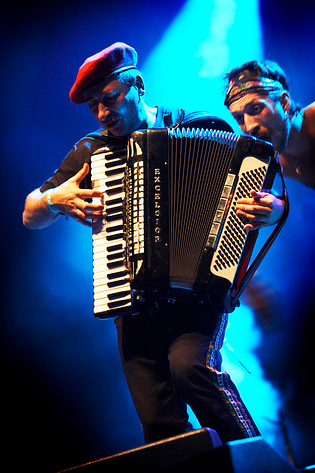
<point>253,226</point>
<point>257,195</point>
<point>88,207</point>
<point>245,201</point>
<point>80,175</point>
<point>244,210</point>
<point>249,199</point>
<point>254,223</point>
<point>84,217</point>
<point>240,213</point>
<point>245,216</point>
<point>95,216</point>
<point>82,220</point>
<point>248,227</point>
<point>89,193</point>
<point>94,207</point>
<point>263,198</point>
<point>254,196</point>
<point>264,201</point>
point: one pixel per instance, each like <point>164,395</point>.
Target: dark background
<point>64,398</point>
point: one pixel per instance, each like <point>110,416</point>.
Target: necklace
<point>299,121</point>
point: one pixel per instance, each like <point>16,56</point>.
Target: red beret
<point>116,58</point>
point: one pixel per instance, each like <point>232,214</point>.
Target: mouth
<point>110,125</point>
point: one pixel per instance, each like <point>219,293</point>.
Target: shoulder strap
<point>170,115</point>
<point>102,135</point>
<point>179,120</point>
<point>96,135</point>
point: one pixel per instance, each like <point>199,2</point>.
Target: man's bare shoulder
<point>309,119</point>
<point>310,107</point>
<point>298,159</point>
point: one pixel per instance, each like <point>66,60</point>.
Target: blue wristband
<point>50,204</point>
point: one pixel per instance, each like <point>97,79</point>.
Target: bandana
<point>238,88</point>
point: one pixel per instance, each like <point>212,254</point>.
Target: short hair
<point>264,68</point>
<point>128,77</point>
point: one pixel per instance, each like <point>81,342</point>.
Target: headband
<point>237,88</point>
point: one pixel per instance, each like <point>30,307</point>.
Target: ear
<point>140,85</point>
<point>285,100</point>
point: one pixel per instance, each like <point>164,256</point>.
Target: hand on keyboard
<point>71,200</point>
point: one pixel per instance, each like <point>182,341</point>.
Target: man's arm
<point>68,198</point>
<point>36,213</point>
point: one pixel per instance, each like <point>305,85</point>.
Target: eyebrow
<point>247,106</point>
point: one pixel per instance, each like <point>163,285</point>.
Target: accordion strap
<point>168,119</point>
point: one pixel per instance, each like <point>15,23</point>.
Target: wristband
<point>51,206</point>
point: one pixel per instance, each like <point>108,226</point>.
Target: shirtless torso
<point>298,159</point>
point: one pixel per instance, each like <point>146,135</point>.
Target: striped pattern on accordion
<point>171,228</point>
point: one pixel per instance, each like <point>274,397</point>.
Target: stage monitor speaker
<point>156,455</point>
<point>196,451</point>
<point>253,455</point>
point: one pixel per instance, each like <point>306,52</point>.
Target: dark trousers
<point>171,358</point>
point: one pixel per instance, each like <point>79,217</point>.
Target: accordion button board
<point>232,236</point>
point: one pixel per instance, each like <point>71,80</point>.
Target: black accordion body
<point>171,231</point>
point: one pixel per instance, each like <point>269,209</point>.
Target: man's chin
<point>116,129</point>
<point>264,138</point>
<point>113,125</point>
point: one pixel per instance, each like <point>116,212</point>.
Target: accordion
<point>171,230</point>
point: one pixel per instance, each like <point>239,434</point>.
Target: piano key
<point>102,306</point>
<point>110,258</point>
<point>104,251</point>
<point>118,295</point>
<point>111,292</point>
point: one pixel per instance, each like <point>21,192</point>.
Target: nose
<point>251,126</point>
<point>102,111</point>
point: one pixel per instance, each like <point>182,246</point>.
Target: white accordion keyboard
<point>110,279</point>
